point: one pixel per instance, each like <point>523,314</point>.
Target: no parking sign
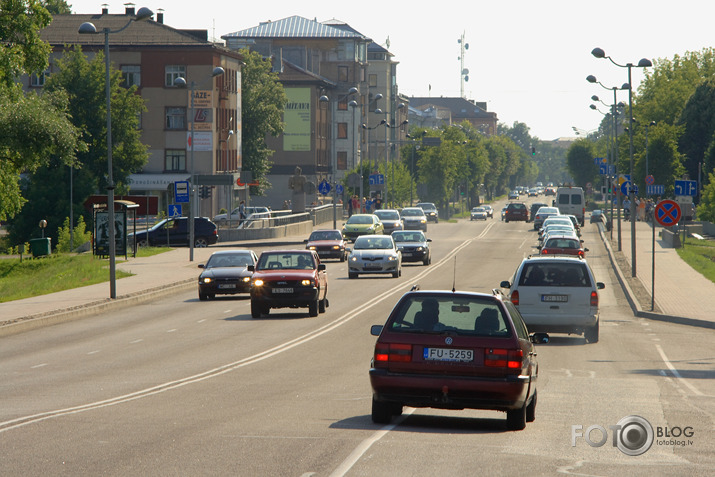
<point>667,212</point>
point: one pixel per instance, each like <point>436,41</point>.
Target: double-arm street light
<point>643,63</point>
<point>614,154</point>
<point>193,200</point>
<point>89,28</point>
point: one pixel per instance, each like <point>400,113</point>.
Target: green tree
<point>33,128</point>
<point>263,101</point>
<point>57,7</point>
<point>698,120</point>
<point>579,161</point>
<point>665,162</point>
<point>706,208</point>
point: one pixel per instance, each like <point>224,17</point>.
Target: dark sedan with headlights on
<point>226,273</point>
<point>328,243</point>
<point>413,245</point>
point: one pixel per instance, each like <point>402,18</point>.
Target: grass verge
<point>57,272</point>
<point>700,254</point>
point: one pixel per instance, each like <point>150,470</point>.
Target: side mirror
<point>321,267</point>
<point>305,241</point>
<point>201,265</point>
<point>505,284</point>
<point>539,338</point>
<point>375,330</point>
<point>585,250</point>
<point>348,249</point>
<point>429,240</point>
<point>251,268</point>
<point>600,285</point>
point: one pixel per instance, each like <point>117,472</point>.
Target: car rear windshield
<point>554,274</point>
<point>469,316</point>
<point>517,206</point>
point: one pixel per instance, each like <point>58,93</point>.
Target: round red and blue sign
<point>667,212</point>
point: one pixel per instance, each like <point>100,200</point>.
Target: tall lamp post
<point>89,28</point>
<point>368,129</point>
<point>193,200</point>
<point>652,123</point>
<point>354,105</point>
<point>614,111</point>
<point>643,63</point>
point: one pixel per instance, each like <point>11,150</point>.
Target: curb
<point>635,305</point>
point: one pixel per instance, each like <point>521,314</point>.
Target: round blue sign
<point>339,189</point>
<point>324,188</point>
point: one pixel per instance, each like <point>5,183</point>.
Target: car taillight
<point>515,297</point>
<point>503,358</point>
<point>544,251</point>
<point>581,253</point>
<point>594,298</point>
<point>392,352</point>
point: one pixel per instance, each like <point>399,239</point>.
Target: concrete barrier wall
<point>235,235</point>
<point>670,238</point>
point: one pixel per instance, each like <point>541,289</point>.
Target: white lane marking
<point>171,330</point>
<point>25,420</point>
<point>38,366</point>
<point>94,352</point>
<point>365,445</point>
<point>136,341</point>
<point>675,371</point>
<point>201,320</point>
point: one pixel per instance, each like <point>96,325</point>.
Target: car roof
<point>448,293</point>
<point>233,251</point>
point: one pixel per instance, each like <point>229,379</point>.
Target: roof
<point>64,29</point>
<point>460,107</point>
<point>296,27</point>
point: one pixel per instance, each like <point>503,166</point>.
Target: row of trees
<point>53,144</point>
<point>678,96</point>
<point>466,163</point>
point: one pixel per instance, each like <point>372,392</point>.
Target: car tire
<point>313,308</point>
<point>201,242</point>
<point>427,260</point>
<point>352,275</point>
<point>203,296</point>
<point>322,305</point>
<point>142,243</point>
<point>381,412</point>
<point>343,257</point>
<point>255,309</point>
<point>591,334</point>
<point>516,418</point>
<point>531,409</point>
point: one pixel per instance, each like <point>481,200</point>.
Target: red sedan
<point>563,246</point>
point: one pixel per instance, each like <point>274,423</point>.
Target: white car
<point>251,212</point>
<point>556,295</point>
<point>374,254</point>
<point>478,213</point>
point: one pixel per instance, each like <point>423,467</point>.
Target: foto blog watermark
<point>633,435</point>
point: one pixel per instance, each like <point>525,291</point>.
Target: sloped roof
<point>460,107</point>
<point>294,27</point>
<point>64,30</point>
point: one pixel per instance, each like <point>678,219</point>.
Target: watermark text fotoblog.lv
<point>633,435</point>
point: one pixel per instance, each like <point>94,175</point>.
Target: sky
<point>527,60</point>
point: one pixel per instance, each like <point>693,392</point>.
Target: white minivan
<point>570,201</point>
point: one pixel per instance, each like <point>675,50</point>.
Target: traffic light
<point>204,192</point>
<point>533,151</point>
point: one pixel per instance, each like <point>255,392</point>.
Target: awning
<point>156,182</point>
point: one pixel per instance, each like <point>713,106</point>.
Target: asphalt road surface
<point>182,387</point>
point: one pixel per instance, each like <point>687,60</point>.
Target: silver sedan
<point>374,254</point>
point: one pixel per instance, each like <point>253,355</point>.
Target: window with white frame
<point>175,160</point>
<point>38,80</point>
<point>171,72</point>
<point>131,75</point>
<point>176,117</point>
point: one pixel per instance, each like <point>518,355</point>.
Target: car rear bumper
<point>557,323</point>
<point>450,392</point>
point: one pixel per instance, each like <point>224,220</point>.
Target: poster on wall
<point>296,136</point>
<point>101,233</point>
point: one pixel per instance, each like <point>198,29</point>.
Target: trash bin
<point>40,246</point>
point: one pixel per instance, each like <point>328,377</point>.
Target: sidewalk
<point>682,295</point>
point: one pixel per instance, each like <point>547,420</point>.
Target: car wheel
<point>381,412</point>
<point>427,260</point>
<point>352,275</point>
<point>343,257</point>
<point>321,305</point>
<point>591,334</point>
<point>211,296</point>
<point>201,242</point>
<point>506,220</point>
<point>531,409</point>
<point>255,309</point>
<point>203,296</point>
<point>313,308</point>
<point>142,243</point>
<point>516,418</point>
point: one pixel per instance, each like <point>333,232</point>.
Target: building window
<point>38,81</point>
<point>171,72</point>
<point>372,80</point>
<point>175,160</point>
<point>176,118</point>
<point>342,160</point>
<point>131,75</point>
<point>342,130</point>
<point>343,104</point>
<point>343,74</point>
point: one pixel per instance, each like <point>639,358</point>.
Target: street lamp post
<point>643,63</point>
<point>368,129</point>
<point>652,123</point>
<point>354,105</point>
<point>193,200</point>
<point>89,28</point>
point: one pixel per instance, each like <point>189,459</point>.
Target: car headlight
<point>422,221</point>
<point>419,249</point>
<point>246,279</point>
<point>206,280</point>
<point>392,258</point>
<point>336,247</point>
<point>306,283</point>
<point>258,282</point>
<point>312,247</point>
<point>353,258</point>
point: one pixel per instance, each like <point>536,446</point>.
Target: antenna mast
<point>463,72</point>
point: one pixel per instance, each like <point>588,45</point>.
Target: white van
<point>570,201</point>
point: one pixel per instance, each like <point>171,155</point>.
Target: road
<point>182,387</point>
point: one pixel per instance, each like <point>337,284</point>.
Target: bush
<point>81,235</point>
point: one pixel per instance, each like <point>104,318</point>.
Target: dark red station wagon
<point>455,350</point>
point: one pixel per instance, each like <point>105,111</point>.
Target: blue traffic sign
<point>627,186</point>
<point>377,179</point>
<point>339,189</point>
<point>686,188</point>
<point>324,188</point>
<point>655,189</point>
<point>667,212</point>
<point>181,191</point>
<point>174,210</point>
<point>603,169</point>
